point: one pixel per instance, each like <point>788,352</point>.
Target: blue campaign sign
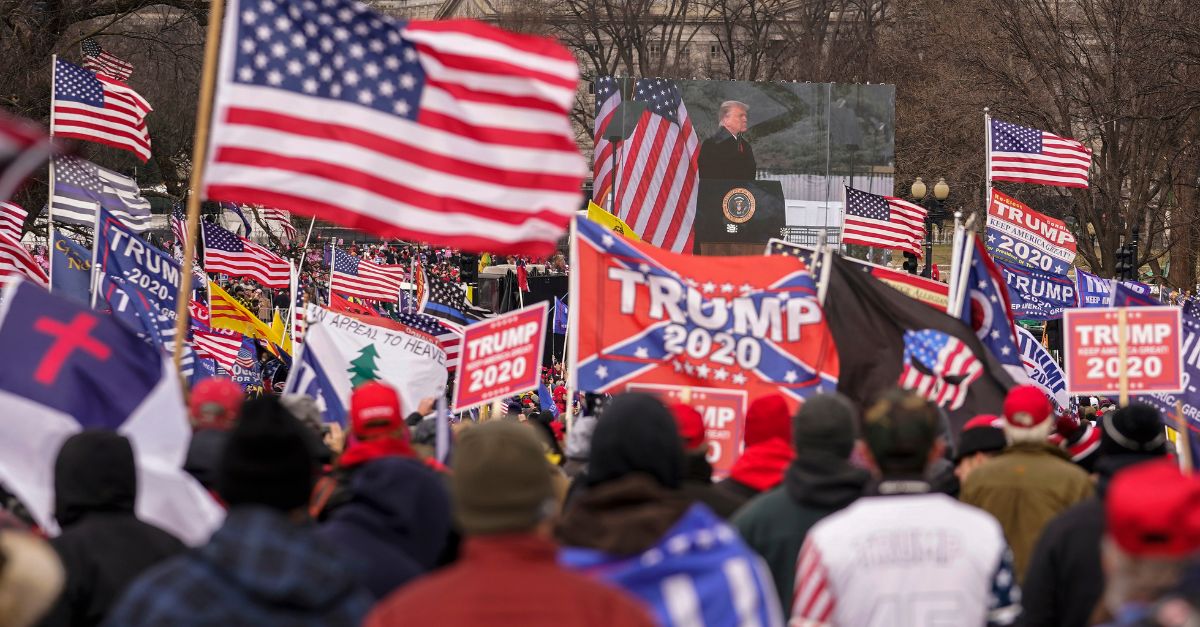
<point>72,266</point>
<point>1189,398</point>
<point>1093,290</point>
<point>1037,295</point>
<point>136,278</point>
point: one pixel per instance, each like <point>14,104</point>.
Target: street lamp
<point>934,213</point>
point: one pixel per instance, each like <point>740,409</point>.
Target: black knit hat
<point>267,460</point>
<point>636,433</point>
<point>1133,430</point>
<point>826,422</point>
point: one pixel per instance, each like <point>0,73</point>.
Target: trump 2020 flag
<point>560,316</point>
<point>341,351</point>
<point>63,369</point>
<point>1043,369</point>
<point>137,279</point>
<point>1189,399</point>
<point>746,323</point>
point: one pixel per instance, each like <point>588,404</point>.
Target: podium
<point>736,217</point>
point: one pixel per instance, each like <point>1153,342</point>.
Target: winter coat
<point>1024,487</point>
<point>634,533</point>
<point>103,546</point>
<point>775,524</point>
<point>1065,581</point>
<point>259,568</point>
<point>394,523</point>
<point>204,451</point>
<point>698,487</point>
<point>508,579</point>
<point>759,469</point>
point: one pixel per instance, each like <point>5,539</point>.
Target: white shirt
<point>915,560</point>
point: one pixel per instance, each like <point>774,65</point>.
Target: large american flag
<point>101,62</point>
<point>24,147</point>
<point>448,338</point>
<point>15,261</point>
<point>883,222</point>
<point>360,278</point>
<point>237,256</point>
<point>1028,155</point>
<point>218,344</point>
<point>450,132</point>
<point>99,109</point>
<point>657,186</point>
<point>82,187</point>
<point>608,97</point>
<point>179,223</point>
<point>12,220</point>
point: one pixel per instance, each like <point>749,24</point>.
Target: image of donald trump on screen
<point>727,154</point>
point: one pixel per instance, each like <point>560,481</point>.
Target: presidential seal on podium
<point>738,205</point>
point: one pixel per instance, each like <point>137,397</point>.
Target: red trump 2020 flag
<point>454,133</point>
<point>747,323</point>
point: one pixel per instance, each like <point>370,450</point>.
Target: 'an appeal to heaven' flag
<point>342,351</point>
<point>747,323</point>
<point>884,338</point>
<point>883,222</point>
<point>137,279</point>
<point>359,278</point>
<point>64,368</point>
<point>81,187</point>
<point>450,132</point>
<point>228,253</point>
<point>98,109</point>
<point>1028,155</point>
<point>1018,234</point>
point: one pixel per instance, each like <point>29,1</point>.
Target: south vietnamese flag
<point>647,315</point>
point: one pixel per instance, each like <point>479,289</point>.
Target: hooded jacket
<point>394,524</point>
<point>698,486</point>
<point>103,546</point>
<point>760,468</point>
<point>1065,581</point>
<point>259,568</point>
<point>776,523</point>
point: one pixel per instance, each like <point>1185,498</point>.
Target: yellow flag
<point>597,214</point>
<point>227,313</point>
<point>279,328</point>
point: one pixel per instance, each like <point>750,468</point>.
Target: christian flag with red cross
<point>747,323</point>
<point>65,368</point>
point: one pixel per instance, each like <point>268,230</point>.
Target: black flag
<point>886,339</point>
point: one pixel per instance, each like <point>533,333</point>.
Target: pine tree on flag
<point>363,368</point>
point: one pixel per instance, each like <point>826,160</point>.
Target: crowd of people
<point>828,517</point>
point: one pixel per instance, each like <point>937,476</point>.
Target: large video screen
<point>811,139</point>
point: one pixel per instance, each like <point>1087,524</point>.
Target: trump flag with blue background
<point>65,369</point>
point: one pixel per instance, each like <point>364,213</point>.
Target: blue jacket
<point>395,523</point>
<point>259,568</point>
<point>699,573</point>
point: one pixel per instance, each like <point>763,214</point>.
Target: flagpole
<point>95,247</point>
<point>208,79</point>
<point>987,159</point>
<point>288,324</point>
<point>956,250</point>
<point>50,199</point>
<point>304,248</point>
<point>571,349</point>
<point>332,262</point>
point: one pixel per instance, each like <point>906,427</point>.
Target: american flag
<point>179,223</point>
<point>449,132</point>
<point>96,59</point>
<point>1028,155</point>
<point>448,338</point>
<point>82,187</point>
<point>448,302</point>
<point>238,256</point>
<point>100,109</point>
<point>15,260</point>
<point>299,320</point>
<point>608,97</point>
<point>280,218</point>
<point>883,222</point>
<point>12,220</point>
<point>939,367</point>
<point>218,344</point>
<point>657,185</point>
<point>24,147</point>
<point>360,278</point>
